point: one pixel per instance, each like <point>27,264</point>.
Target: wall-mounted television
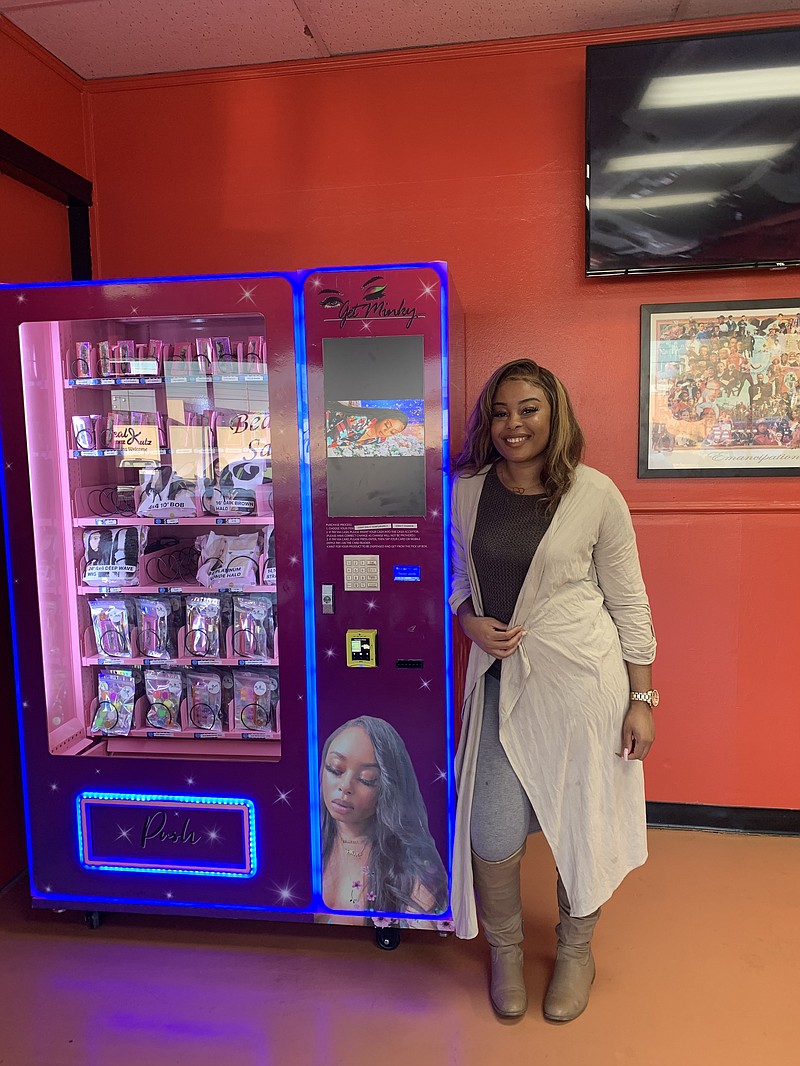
<point>693,153</point>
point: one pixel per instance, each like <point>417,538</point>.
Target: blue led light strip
<point>303,441</point>
<point>448,619</point>
<point>194,803</point>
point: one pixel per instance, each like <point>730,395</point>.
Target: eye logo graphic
<point>372,304</point>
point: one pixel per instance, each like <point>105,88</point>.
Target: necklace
<point>350,851</point>
<point>519,490</point>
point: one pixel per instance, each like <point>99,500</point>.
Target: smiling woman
<point>377,851</point>
<point>558,697</point>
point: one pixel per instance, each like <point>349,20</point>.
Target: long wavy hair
<point>403,856</point>
<point>565,448</point>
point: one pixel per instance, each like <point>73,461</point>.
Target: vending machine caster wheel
<point>94,919</point>
<point>388,939</point>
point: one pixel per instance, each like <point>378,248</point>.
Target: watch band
<point>650,697</point>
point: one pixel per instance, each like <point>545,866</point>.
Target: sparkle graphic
<point>285,893</point>
<point>441,775</point>
<point>427,290</point>
<point>25,705</point>
<point>329,653</point>
<point>169,895</point>
<point>48,888</point>
<point>97,771</point>
<point>213,835</point>
<point>247,294</point>
<point>425,684</point>
<point>294,559</point>
<point>300,696</point>
<point>8,466</point>
<point>53,786</point>
<point>435,512</point>
<point>125,834</point>
<point>366,325</point>
<point>316,282</point>
<point>283,797</point>
<point>134,310</point>
<point>371,605</point>
<point>190,781</point>
<point>21,297</point>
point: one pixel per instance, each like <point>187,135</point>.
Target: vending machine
<point>225,506</point>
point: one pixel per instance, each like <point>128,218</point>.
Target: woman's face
<point>388,427</point>
<point>350,780</point>
<point>520,421</point>
<point>94,541</point>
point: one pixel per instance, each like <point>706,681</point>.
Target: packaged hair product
<point>203,627</point>
<point>163,689</point>
<point>204,701</point>
<point>116,696</point>
<point>112,628</point>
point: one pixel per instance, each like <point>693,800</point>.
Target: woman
<point>361,425</point>
<point>558,710</point>
<point>377,850</point>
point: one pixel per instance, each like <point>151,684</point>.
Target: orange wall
<point>475,155</point>
<point>41,103</point>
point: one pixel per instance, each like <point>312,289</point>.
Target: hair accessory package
<point>116,695</point>
<point>166,495</point>
<point>157,623</point>
<point>111,556</point>
<point>203,626</point>
<point>204,701</point>
<point>255,699</point>
<point>112,629</point>
<point>253,627</point>
<point>226,561</point>
<point>163,689</point>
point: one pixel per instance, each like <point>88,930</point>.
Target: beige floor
<point>698,963</point>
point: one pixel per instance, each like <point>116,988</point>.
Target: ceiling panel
<point>114,38</point>
<point>372,25</point>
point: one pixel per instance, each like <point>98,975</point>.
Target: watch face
<point>654,697</point>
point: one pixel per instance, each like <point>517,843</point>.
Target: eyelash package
<point>255,698</point>
<point>111,556</point>
<point>112,630</point>
<point>163,689</point>
<point>116,695</point>
<point>253,627</point>
<point>226,561</point>
<point>203,625</point>
<point>204,702</point>
<point>157,624</point>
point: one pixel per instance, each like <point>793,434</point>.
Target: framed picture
<point>720,389</point>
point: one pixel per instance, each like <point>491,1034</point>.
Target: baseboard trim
<point>775,821</point>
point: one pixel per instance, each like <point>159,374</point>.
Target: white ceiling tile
<point>115,38</point>
<point>108,38</point>
<point>375,25</point>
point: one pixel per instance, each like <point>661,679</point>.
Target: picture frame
<point>720,389</point>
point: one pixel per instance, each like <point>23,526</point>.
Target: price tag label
<point>105,521</point>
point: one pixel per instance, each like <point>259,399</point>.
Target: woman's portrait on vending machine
<point>377,851</point>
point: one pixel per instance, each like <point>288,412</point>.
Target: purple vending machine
<point>152,501</point>
<point>226,535</point>
<point>377,369</point>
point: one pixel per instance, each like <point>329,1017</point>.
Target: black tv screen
<point>693,153</point>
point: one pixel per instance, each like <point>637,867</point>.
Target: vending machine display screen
<point>374,426</point>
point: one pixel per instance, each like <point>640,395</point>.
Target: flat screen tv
<point>693,153</point>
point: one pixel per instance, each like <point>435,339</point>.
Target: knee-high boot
<point>571,983</point>
<point>500,912</point>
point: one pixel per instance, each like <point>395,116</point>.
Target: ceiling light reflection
<point>697,157</point>
<point>722,87</point>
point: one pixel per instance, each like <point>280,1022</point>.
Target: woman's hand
<point>492,636</point>
<point>638,731</point>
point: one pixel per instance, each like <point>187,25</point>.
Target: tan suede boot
<point>500,913</point>
<point>571,983</point>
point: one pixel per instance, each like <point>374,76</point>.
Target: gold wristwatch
<point>650,697</point>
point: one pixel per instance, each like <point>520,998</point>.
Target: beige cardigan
<point>564,693</point>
